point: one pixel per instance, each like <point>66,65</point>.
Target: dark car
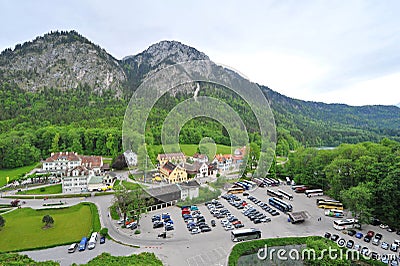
<point>350,244</point>
<point>169,227</point>
<point>327,235</point>
<point>245,194</point>
<point>213,223</point>
<point>239,225</point>
<point>351,232</point>
<point>375,221</point>
<point>341,242</point>
<point>205,229</point>
<point>378,236</point>
<point>102,240</point>
<point>374,255</point>
<point>367,239</point>
<point>334,237</point>
<point>257,221</point>
<point>158,224</point>
<point>359,235</point>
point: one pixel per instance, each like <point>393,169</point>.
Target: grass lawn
<point>127,185</point>
<point>23,228</point>
<point>53,189</point>
<point>190,149</point>
<point>14,173</point>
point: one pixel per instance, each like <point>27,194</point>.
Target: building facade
<point>173,173</point>
<point>175,158</point>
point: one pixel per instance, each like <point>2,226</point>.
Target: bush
<point>137,231</point>
<point>42,189</point>
<point>104,231</point>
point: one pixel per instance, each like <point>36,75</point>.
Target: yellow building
<point>173,173</point>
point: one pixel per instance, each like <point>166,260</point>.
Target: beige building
<point>173,173</point>
<point>176,158</point>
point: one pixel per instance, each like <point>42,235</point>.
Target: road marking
<point>193,261</point>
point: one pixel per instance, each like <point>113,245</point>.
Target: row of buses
<point>280,194</point>
<point>265,182</point>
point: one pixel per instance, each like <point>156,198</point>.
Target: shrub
<point>104,231</point>
<point>137,231</point>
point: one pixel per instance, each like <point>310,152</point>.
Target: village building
<point>189,189</point>
<point>130,158</point>
<point>200,158</point>
<point>175,158</point>
<point>223,162</point>
<point>173,173</point>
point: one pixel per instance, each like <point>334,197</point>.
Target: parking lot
<point>215,245</point>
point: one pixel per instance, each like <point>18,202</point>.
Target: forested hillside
<point>62,92</point>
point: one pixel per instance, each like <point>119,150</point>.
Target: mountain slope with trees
<point>62,92</point>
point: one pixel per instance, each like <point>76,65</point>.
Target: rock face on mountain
<point>61,60</point>
<point>156,57</point>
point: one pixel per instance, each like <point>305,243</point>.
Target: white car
<point>224,222</point>
<point>229,227</point>
<point>384,226</point>
<point>195,231</point>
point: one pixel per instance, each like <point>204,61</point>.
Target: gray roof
<point>165,193</point>
<point>190,183</point>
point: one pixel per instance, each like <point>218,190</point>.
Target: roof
<point>190,183</point>
<point>69,156</point>
<point>193,167</point>
<point>169,156</point>
<point>165,193</point>
<point>222,158</point>
<point>199,156</point>
<point>96,180</point>
<point>92,161</point>
<point>169,167</point>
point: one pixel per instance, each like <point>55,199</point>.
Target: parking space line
<point>208,259</point>
<point>194,263</point>
<point>202,262</point>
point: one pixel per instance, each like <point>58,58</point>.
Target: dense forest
<point>365,176</point>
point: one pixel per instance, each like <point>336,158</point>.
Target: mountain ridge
<point>87,63</point>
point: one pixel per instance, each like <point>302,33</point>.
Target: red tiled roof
<point>169,167</point>
<point>222,158</point>
<point>69,156</point>
<point>168,156</point>
<point>92,161</point>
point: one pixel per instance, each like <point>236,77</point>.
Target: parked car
<point>334,237</point>
<point>213,223</point>
<point>359,235</point>
<point>379,236</point>
<point>72,248</point>
<point>327,235</point>
<point>351,232</point>
<point>238,225</point>
<point>385,245</point>
<point>371,234</point>
<point>367,239</point>
<point>394,247</point>
<point>195,231</point>
<point>205,229</point>
<point>357,247</point>
<point>384,226</point>
<point>375,241</point>
<point>341,242</point>
<point>102,240</point>
<point>158,224</point>
<point>390,230</point>
<point>365,251</point>
<point>169,227</point>
<point>350,243</point>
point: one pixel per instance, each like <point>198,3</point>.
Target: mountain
<point>87,84</point>
<point>61,60</point>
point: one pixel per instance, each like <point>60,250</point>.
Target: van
<point>72,248</point>
<point>82,244</point>
<point>92,241</point>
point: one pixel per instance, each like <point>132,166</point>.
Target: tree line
<point>365,176</point>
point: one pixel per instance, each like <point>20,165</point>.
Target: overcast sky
<point>329,51</point>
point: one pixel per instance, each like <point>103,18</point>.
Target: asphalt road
<point>182,248</point>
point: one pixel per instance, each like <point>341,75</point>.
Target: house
<point>76,179</point>
<point>189,189</point>
<point>200,158</point>
<point>166,193</point>
<point>130,158</point>
<point>173,173</point>
<point>223,162</point>
<point>176,158</point>
<point>100,183</point>
<point>238,156</point>
<point>197,170</point>
<point>59,162</point>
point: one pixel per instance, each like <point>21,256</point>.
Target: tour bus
<point>346,224</point>
<point>334,213</point>
<point>329,204</point>
<point>285,194</point>
<point>235,190</point>
<point>280,205</point>
<point>273,193</point>
<point>273,182</point>
<point>297,186</point>
<point>243,185</point>
<point>314,192</point>
<point>259,182</point>
<point>245,234</point>
<point>82,244</point>
<point>251,184</point>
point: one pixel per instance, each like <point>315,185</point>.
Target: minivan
<point>82,244</point>
<point>72,248</point>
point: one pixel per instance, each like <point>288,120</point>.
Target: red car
<point>236,222</point>
<point>370,234</point>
